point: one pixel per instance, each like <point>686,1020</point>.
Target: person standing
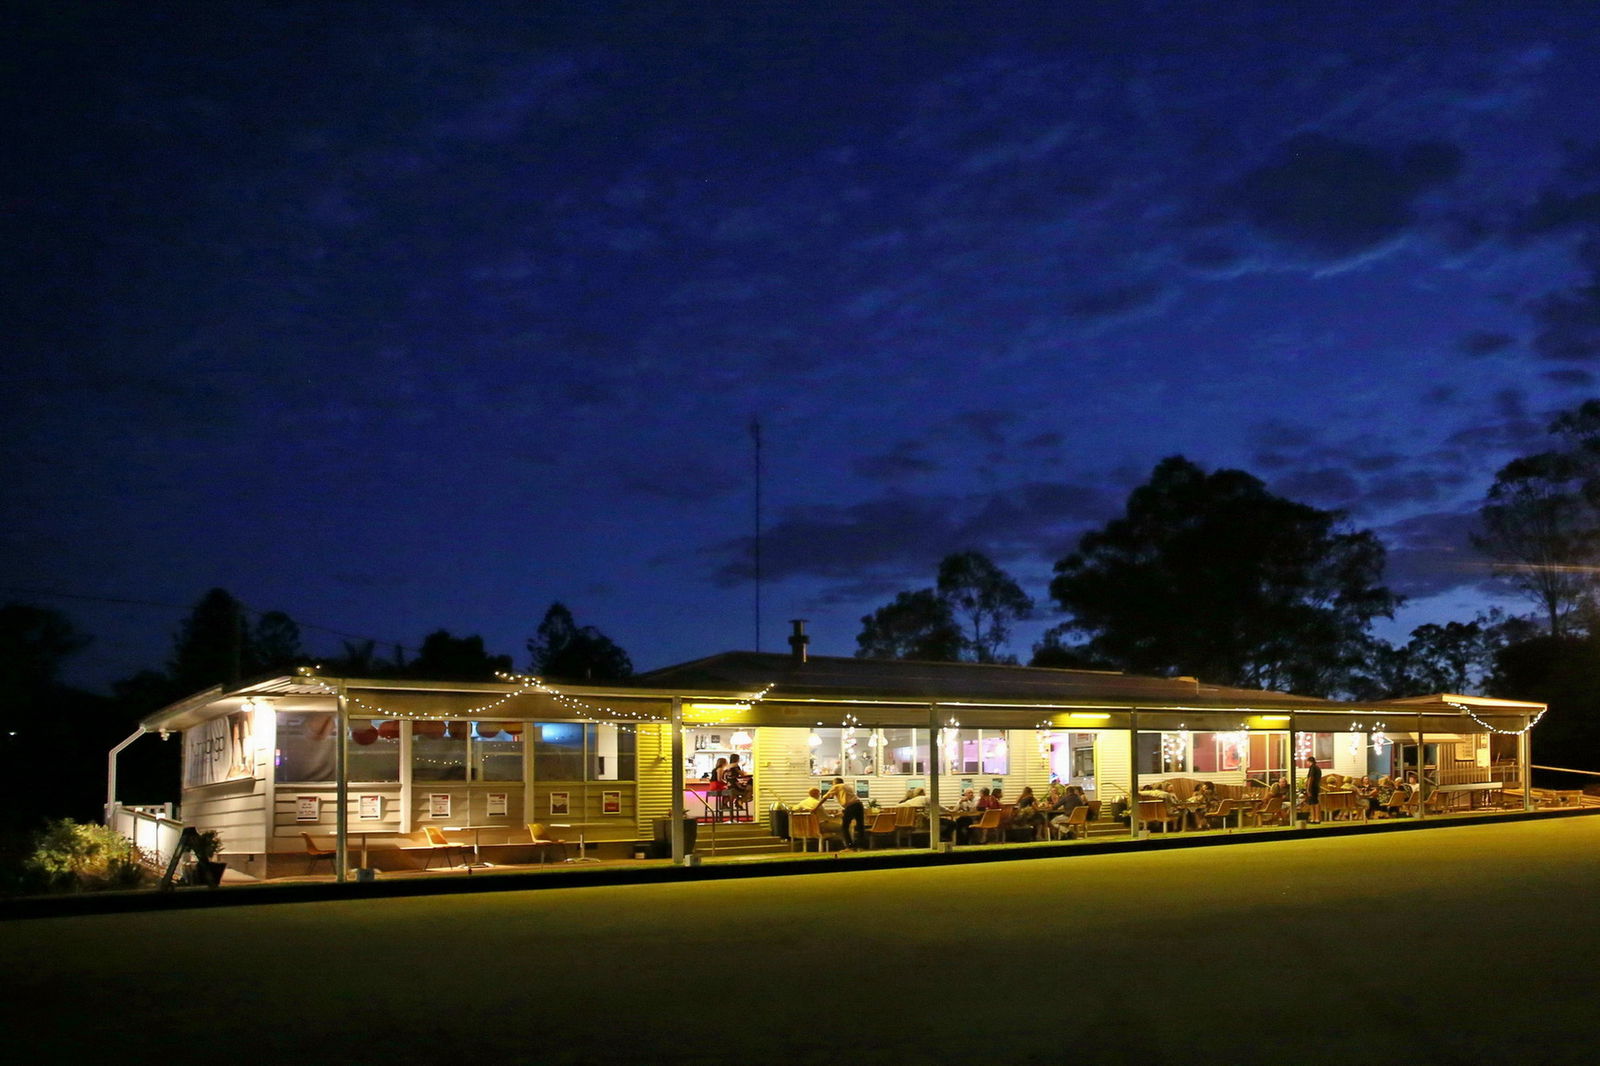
<point>854,813</point>
<point>1313,789</point>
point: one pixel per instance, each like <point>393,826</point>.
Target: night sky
<point>407,316</point>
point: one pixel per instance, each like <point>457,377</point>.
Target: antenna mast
<point>755,436</point>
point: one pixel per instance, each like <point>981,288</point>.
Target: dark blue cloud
<point>1333,197</point>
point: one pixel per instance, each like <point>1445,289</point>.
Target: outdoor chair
<point>883,825</point>
<point>438,842</point>
<point>805,826</point>
<point>536,832</point>
<point>984,828</point>
<point>1077,824</point>
<point>1220,813</point>
<point>315,854</point>
<point>1271,810</point>
<point>905,819</point>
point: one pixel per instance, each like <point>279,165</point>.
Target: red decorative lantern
<point>362,732</point>
<point>389,729</point>
<point>489,729</point>
<point>514,728</point>
<point>427,727</point>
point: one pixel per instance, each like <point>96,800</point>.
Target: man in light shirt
<point>854,813</point>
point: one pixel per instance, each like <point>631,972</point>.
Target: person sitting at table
<point>954,822</point>
<point>1389,796</point>
<point>1071,800</point>
<point>1027,814</point>
<point>715,773</point>
<point>735,785</point>
<point>917,797</point>
<point>988,801</point>
<point>1366,793</point>
<point>812,801</point>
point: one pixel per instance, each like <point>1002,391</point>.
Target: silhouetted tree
<point>987,597</point>
<point>561,649</point>
<point>1559,671</point>
<point>275,647</point>
<point>1214,576</point>
<point>917,625</point>
<point>212,646</point>
<point>1539,527</point>
<point>34,643</point>
<point>447,658</point>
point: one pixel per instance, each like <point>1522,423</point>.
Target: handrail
<point>1564,770</point>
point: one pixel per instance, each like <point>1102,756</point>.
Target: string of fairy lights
<point>1470,713</point>
<point>627,721</point>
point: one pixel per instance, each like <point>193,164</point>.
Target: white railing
<point>153,830</point>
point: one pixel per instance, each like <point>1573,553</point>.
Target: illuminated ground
<point>1454,945</point>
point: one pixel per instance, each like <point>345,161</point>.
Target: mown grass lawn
<point>1467,944</point>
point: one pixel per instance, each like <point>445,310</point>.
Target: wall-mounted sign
<point>560,803</point>
<point>307,808</point>
<point>497,805</point>
<point>610,803</point>
<point>223,749</point>
<point>863,787</point>
<point>438,805</point>
<point>371,808</point>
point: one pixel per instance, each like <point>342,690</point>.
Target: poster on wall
<point>223,749</point>
<point>610,803</point>
<point>966,784</point>
<point>307,808</point>
<point>371,808</point>
<point>559,803</point>
<point>862,785</point>
<point>996,782</point>
<point>497,805</point>
<point>438,805</point>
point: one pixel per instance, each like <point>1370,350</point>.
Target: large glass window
<point>307,749</point>
<point>439,750</point>
<point>558,751</point>
<point>905,751</point>
<point>979,751</point>
<point>1164,753</point>
<point>497,751</point>
<point>612,752</point>
<point>374,752</point>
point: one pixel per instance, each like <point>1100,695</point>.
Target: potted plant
<point>206,845</point>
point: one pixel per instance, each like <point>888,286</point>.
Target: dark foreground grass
<point>1470,944</point>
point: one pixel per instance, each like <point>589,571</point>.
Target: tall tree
<point>916,625</point>
<point>212,646</point>
<point>1539,527</point>
<point>448,658</point>
<point>275,644</point>
<point>34,643</point>
<point>1212,575</point>
<point>986,597</point>
<point>562,649</point>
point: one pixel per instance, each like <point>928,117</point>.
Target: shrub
<point>72,857</point>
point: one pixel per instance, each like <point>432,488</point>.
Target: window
<point>497,751</point>
<point>307,749</point>
<point>979,751</point>
<point>439,750</point>
<point>905,751</point>
<point>612,752</point>
<point>1164,753</point>
<point>838,756</point>
<point>374,751</point>
<point>558,751</point>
